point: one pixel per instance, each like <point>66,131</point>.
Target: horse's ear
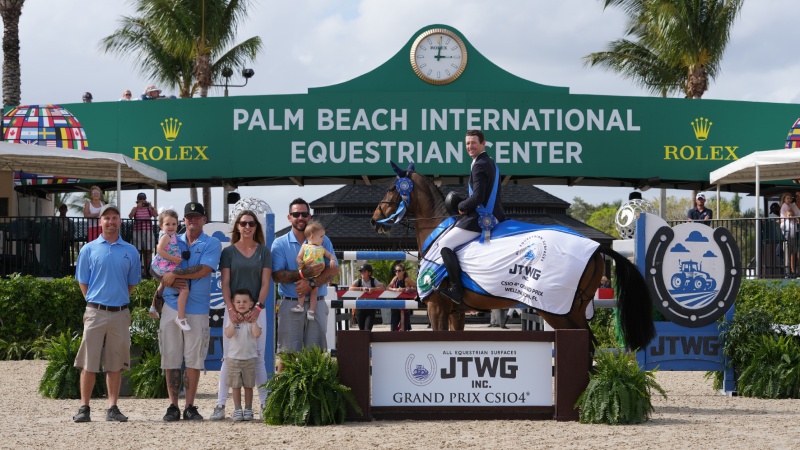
<point>410,169</point>
<point>400,172</point>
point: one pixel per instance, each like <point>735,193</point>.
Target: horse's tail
<point>633,302</point>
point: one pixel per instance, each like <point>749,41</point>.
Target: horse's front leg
<point>438,312</point>
<point>457,319</point>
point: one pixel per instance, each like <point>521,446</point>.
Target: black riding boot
<point>455,292</point>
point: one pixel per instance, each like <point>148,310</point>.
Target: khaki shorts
<point>177,346</point>
<point>241,372</point>
<point>106,337</point>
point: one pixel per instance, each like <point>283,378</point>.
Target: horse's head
<point>393,206</point>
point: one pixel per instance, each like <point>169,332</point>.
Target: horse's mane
<point>431,194</point>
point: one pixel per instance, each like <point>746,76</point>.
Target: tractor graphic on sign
<point>691,278</point>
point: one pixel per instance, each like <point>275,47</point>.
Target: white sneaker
<point>298,309</point>
<point>310,315</point>
<point>153,313</point>
<point>238,415</point>
<point>183,323</point>
<point>219,413</point>
<point>248,414</point>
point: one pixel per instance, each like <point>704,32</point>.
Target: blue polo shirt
<point>284,257</point>
<point>108,268</point>
<point>205,250</point>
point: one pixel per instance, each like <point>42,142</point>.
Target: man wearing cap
<point>87,97</point>
<point>295,331</point>
<point>201,256</point>
<point>700,212</point>
<point>143,237</point>
<point>107,271</point>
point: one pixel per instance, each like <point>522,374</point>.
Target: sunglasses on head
<point>247,223</point>
<point>299,214</point>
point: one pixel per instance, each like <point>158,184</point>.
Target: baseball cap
<point>87,95</point>
<point>365,267</point>
<point>107,207</point>
<point>701,195</point>
<point>141,196</point>
<point>194,208</point>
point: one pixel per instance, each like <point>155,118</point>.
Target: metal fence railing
<point>769,250</point>
<point>49,246</point>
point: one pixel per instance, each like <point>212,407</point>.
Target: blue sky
<point>310,43</point>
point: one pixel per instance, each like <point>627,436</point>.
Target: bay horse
<point>427,206</point>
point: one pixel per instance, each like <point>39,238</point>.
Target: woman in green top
<point>246,263</point>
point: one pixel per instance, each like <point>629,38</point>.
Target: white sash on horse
<point>537,265</point>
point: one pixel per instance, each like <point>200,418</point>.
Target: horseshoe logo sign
<point>693,272</point>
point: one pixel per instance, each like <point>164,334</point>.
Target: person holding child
<point>312,252</point>
<point>168,258</point>
<point>241,355</point>
<point>182,349</point>
<point>245,264</point>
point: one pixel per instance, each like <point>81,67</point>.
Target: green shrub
<point>618,391</point>
<point>33,309</point>
<point>307,391</point>
<point>603,328</point>
<point>61,379</point>
<point>146,379</point>
<point>773,370</point>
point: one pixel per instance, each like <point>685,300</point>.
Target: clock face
<point>438,56</point>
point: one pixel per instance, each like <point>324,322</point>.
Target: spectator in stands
<point>87,97</point>
<point>366,283</point>
<point>401,283</point>
<point>143,237</point>
<point>604,282</point>
<point>700,213</point>
<point>789,227</point>
<point>126,96</point>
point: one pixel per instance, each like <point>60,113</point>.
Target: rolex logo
<point>171,128</point>
<point>701,128</point>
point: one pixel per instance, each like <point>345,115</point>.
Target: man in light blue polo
<point>107,271</point>
<point>294,330</point>
<point>201,257</point>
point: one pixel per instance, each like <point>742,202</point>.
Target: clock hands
<point>439,53</point>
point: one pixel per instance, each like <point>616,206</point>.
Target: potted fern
<point>618,391</point>
<point>774,368</point>
<point>145,379</point>
<point>308,391</point>
<point>61,379</point>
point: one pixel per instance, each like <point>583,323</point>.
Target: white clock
<point>438,56</point>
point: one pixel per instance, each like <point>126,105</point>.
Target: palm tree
<point>677,45</point>
<point>10,10</point>
<point>184,43</point>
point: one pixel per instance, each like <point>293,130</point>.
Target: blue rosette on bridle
<point>404,186</point>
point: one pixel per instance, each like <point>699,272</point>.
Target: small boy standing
<point>241,356</point>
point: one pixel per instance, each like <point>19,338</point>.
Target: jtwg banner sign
<point>477,374</point>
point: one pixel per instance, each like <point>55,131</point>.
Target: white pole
<point>758,222</point>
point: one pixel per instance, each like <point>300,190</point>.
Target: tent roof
<point>64,162</point>
<point>773,165</point>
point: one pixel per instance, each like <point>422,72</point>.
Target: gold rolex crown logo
<point>701,128</point>
<point>171,128</point>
